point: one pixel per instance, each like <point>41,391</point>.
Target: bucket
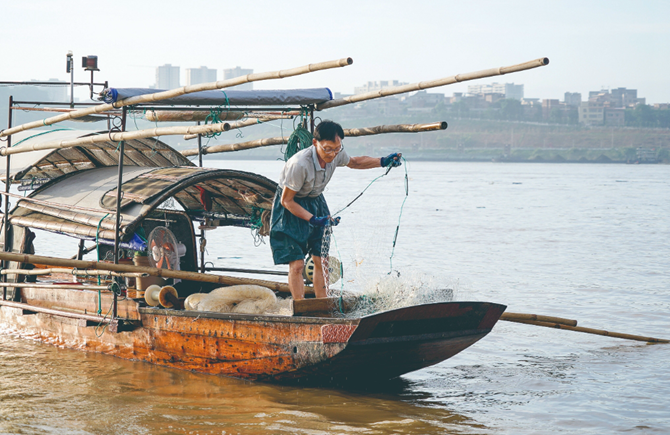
<point>143,283</point>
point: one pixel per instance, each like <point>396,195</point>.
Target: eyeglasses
<point>331,150</point>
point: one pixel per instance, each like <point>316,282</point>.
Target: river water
<point>581,241</point>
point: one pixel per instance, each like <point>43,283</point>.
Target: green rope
<point>397,228</point>
<point>255,218</point>
<point>40,134</point>
<point>214,117</point>
<point>300,139</point>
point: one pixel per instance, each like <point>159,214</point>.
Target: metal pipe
<point>199,148</point>
<point>119,194</point>
<point>6,204</point>
<point>71,81</point>
<point>51,83</point>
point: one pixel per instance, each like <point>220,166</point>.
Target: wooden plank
<point>323,307</point>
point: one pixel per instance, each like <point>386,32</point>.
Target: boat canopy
<point>82,204</point>
<point>227,97</point>
<point>55,163</point>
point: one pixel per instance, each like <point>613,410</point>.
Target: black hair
<point>326,130</point>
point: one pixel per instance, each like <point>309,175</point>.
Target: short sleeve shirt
<point>303,173</point>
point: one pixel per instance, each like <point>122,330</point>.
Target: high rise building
<point>231,73</point>
<point>167,77</point>
<point>203,74</point>
<point>573,99</point>
<point>509,90</point>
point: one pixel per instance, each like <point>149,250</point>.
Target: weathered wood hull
<point>272,348</point>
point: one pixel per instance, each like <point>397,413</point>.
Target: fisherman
<point>300,214</point>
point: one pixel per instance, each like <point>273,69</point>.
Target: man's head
<point>327,130</point>
<point>328,137</point>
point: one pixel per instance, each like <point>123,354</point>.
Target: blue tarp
<point>227,97</point>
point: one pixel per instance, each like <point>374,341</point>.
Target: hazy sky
<point>591,44</point>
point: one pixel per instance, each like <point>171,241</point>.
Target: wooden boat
<point>313,346</point>
<point>114,188</point>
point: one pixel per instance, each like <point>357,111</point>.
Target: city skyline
<point>591,45</point>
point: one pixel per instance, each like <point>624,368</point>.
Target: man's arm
<point>288,201</point>
<point>364,162</point>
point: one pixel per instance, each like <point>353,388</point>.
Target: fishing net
<point>365,244</point>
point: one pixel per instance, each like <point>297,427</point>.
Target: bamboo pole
<point>189,115</point>
<point>163,273</point>
<point>73,272</point>
<point>82,218</point>
<point>434,83</point>
<point>246,123</point>
<point>201,115</point>
<point>53,285</point>
<point>147,98</point>
<point>118,137</point>
<point>511,317</point>
<point>399,128</point>
<point>233,125</point>
<point>591,331</point>
<point>352,132</point>
<point>55,204</point>
<point>36,309</point>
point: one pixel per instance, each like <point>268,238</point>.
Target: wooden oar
<point>567,324</point>
<point>513,317</point>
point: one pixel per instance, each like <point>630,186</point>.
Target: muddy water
<point>588,242</point>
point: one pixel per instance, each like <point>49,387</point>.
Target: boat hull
<point>272,348</point>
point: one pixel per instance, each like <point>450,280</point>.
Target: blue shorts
<point>292,238</point>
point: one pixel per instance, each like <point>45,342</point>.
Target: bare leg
<point>295,280</point>
<point>319,282</point>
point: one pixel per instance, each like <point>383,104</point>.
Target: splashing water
<point>390,292</point>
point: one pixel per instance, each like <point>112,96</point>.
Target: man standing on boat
<point>300,213</point>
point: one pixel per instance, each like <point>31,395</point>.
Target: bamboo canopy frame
<point>352,132</point>
<point>434,83</point>
<point>147,98</point>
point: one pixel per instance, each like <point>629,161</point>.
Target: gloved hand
<point>324,221</point>
<point>392,159</point>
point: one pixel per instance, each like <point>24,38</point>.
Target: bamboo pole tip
<point>349,61</point>
<point>443,125</point>
<point>545,61</point>
<point>226,126</point>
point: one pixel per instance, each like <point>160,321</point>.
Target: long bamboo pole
<point>182,91</point>
<point>352,132</point>
<point>193,115</point>
<point>164,273</point>
<point>73,272</point>
<point>118,137</point>
<point>511,317</point>
<point>246,123</point>
<point>434,83</point>
<point>591,331</point>
<point>60,313</point>
<point>50,286</point>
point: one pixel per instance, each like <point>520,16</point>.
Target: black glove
<point>392,160</point>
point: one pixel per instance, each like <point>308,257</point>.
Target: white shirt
<point>303,173</point>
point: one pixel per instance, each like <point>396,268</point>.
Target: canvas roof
<point>236,196</point>
<point>56,163</point>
